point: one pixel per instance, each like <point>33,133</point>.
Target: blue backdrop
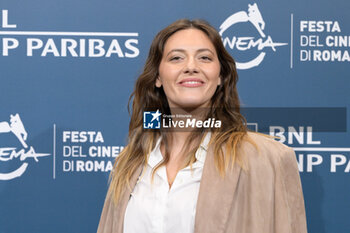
<point>67,69</point>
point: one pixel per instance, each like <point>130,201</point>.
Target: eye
<point>206,58</point>
<point>175,58</point>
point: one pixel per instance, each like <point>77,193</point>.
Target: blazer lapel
<point>215,197</point>
<point>121,206</point>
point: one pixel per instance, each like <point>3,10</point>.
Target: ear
<point>158,82</point>
<point>219,80</point>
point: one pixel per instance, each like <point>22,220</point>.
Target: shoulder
<point>262,150</point>
<point>264,142</point>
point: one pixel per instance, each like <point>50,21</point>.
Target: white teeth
<point>192,82</point>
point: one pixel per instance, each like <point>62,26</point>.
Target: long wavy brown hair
<point>224,106</point>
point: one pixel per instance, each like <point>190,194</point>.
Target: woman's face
<point>189,70</point>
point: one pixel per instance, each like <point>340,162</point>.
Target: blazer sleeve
<point>289,206</point>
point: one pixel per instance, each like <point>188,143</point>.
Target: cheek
<point>168,75</point>
<point>213,73</point>
<point>165,72</point>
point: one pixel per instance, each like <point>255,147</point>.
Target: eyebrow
<point>183,51</point>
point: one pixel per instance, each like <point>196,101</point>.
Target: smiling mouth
<point>191,83</point>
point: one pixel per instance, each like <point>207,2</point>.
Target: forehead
<point>188,39</point>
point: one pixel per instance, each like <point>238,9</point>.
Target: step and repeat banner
<point>67,69</point>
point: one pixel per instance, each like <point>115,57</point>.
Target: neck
<point>178,137</point>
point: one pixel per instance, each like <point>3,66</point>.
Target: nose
<point>191,66</point>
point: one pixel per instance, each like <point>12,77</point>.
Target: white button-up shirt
<point>158,209</point>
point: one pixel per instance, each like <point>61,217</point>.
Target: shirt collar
<point>156,157</point>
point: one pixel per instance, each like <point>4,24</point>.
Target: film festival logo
<point>157,120</point>
<point>7,154</point>
<point>254,17</point>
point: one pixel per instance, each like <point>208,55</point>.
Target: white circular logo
<point>254,17</point>
<point>9,153</point>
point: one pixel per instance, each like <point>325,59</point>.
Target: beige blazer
<point>267,198</point>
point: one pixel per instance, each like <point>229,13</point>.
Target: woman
<point>200,179</point>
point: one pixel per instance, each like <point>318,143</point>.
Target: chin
<point>192,104</point>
